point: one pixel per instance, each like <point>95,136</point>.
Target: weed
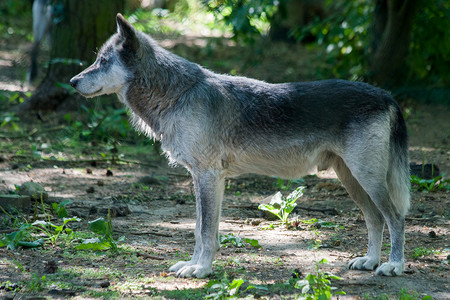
<point>287,184</point>
<point>19,238</point>
<point>106,240</point>
<point>412,295</point>
<point>268,227</point>
<point>317,223</point>
<point>60,209</point>
<point>315,244</point>
<point>318,285</point>
<point>430,185</point>
<point>237,241</point>
<point>53,231</point>
<point>282,207</point>
<point>9,120</point>
<point>37,283</point>
<point>224,288</point>
<point>421,251</point>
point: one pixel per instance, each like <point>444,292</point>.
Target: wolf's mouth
<point>91,94</point>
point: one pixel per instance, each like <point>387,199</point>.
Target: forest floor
<point>152,205</point>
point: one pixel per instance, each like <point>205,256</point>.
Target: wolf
<point>219,126</point>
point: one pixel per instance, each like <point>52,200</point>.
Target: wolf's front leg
<point>208,187</point>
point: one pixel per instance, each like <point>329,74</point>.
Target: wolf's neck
<point>156,89</point>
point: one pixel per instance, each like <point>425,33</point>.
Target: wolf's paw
<point>179,265</point>
<point>364,263</point>
<point>391,269</point>
<point>196,270</point>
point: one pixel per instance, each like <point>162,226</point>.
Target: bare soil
<point>161,219</point>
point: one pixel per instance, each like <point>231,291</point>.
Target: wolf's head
<point>108,73</point>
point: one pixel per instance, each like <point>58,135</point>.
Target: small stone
<point>297,274</point>
<point>93,210</point>
<point>34,190</point>
<point>149,180</point>
<point>432,234</point>
<point>50,267</point>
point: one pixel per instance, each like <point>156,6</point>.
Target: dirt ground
<point>157,217</point>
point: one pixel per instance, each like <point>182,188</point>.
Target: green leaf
<point>99,226</point>
<point>93,244</point>
<point>60,210</point>
<point>34,244</point>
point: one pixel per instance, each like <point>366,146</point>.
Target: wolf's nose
<point>73,82</point>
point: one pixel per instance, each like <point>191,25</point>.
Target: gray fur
<point>220,126</point>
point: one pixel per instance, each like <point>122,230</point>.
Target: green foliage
<point>430,185</point>
<point>16,18</point>
<point>345,35</point>
<point>282,207</point>
<point>237,241</point>
<point>9,121</point>
<point>430,49</point>
<point>317,286</point>
<point>422,251</point>
<point>287,184</point>
<point>105,240</point>
<point>37,283</point>
<point>224,288</point>
<point>248,18</point>
<point>23,236</point>
<point>20,238</point>
<point>109,123</point>
<point>412,295</point>
<point>53,231</point>
<point>60,209</point>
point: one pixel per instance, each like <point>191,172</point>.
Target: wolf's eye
<point>103,61</point>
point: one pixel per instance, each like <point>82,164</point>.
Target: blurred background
<point>400,45</point>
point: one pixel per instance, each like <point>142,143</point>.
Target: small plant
<point>282,207</point>
<point>237,241</point>
<point>412,295</point>
<point>37,283</point>
<point>19,238</point>
<point>287,184</point>
<point>430,185</point>
<point>60,209</point>
<point>421,251</point>
<point>52,230</point>
<point>318,286</point>
<point>224,288</point>
<point>106,240</point>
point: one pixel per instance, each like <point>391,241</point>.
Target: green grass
<point>422,251</point>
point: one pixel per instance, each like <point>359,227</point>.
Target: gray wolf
<point>42,21</point>
<point>220,126</point>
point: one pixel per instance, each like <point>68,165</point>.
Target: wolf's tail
<point>398,173</point>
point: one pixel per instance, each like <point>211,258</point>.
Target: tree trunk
<point>79,28</point>
<point>293,14</point>
<point>390,45</point>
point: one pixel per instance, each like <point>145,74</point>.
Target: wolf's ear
<point>127,33</point>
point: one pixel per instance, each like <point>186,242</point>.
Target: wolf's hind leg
<point>373,217</point>
<point>209,187</point>
<point>375,185</point>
